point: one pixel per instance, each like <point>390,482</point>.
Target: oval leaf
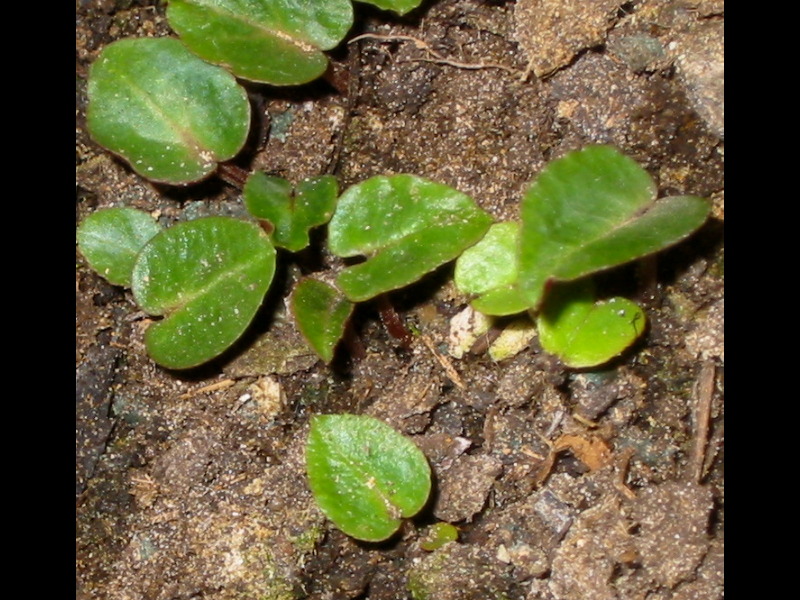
<point>111,239</point>
<point>407,226</point>
<point>321,312</point>
<point>208,277</point>
<point>291,213</point>
<point>271,41</point>
<point>172,116</point>
<point>365,476</point>
<point>594,209</point>
<point>490,271</point>
<point>583,332</point>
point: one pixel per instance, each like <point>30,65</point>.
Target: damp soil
<point>564,485</point>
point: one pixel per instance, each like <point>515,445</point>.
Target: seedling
<point>206,278</point>
<point>572,324</point>
<point>174,118</point>
<point>406,226</point>
<point>588,211</point>
<point>365,476</point>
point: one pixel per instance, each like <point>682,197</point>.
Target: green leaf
<point>407,226</point>
<point>489,270</point>
<point>401,7</point>
<point>365,476</point>
<point>270,41</point>
<point>583,332</point>
<point>172,116</point>
<point>438,535</point>
<point>110,240</point>
<point>594,209</point>
<point>208,278</point>
<point>291,213</point>
<point>321,312</point>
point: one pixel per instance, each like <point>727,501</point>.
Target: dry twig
<point>448,367</point>
<point>435,56</point>
<point>212,387</point>
<point>702,416</point>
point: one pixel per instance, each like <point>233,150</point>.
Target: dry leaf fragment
<point>593,452</point>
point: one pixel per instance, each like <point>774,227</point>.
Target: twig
<point>481,345</point>
<point>702,417</point>
<point>213,387</point>
<point>448,367</point>
<point>546,466</point>
<point>232,175</point>
<point>527,72</point>
<point>623,461</point>
<point>437,57</point>
<point>463,65</point>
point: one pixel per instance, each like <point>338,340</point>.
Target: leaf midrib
<point>301,44</point>
<point>217,280</point>
<point>360,468</point>
<point>565,257</point>
<point>185,135</point>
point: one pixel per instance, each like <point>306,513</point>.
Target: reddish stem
<point>232,175</point>
<point>392,321</point>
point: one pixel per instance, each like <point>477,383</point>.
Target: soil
<point>564,485</point>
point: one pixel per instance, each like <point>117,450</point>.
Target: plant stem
<point>391,320</point>
<point>232,175</point>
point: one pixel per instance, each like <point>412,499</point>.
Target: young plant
<point>438,535</point>
<point>206,278</point>
<point>591,210</point>
<point>365,476</point>
<point>406,226</point>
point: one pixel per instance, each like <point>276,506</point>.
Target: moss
<point>306,541</point>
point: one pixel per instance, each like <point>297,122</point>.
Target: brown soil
<point>564,485</point>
